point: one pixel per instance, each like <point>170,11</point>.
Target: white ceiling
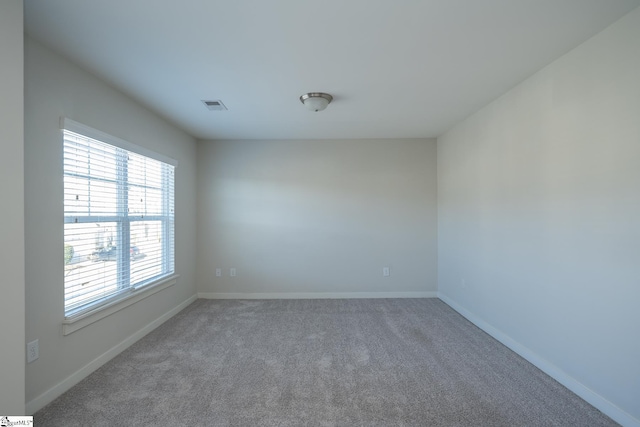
<point>396,68</point>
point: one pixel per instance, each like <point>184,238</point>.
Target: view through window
<point>118,221</point>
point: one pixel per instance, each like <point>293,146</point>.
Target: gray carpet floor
<point>376,362</point>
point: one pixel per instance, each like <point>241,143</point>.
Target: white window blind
<point>118,221</point>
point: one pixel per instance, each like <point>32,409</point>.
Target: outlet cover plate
<point>33,351</point>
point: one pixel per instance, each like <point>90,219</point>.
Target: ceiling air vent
<point>215,105</point>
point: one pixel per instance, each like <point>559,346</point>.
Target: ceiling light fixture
<point>316,101</point>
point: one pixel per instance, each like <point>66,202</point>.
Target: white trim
<point>48,396</point>
<point>73,126</point>
<point>604,405</point>
<point>74,323</point>
<point>314,295</point>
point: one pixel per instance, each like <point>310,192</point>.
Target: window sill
<point>74,323</point>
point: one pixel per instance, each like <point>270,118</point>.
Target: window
<point>118,218</point>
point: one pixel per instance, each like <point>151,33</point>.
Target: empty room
<point>294,213</point>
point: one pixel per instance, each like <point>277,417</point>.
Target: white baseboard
<point>57,390</point>
<point>604,405</point>
<point>315,295</point>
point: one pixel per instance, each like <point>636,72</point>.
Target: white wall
<point>539,218</point>
<point>55,88</point>
<point>317,218</point>
<point>12,310</point>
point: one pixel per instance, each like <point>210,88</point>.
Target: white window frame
<point>79,317</point>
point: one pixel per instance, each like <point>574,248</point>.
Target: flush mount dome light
<point>316,101</point>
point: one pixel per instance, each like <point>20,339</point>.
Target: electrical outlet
<point>218,272</point>
<point>232,272</point>
<point>386,272</point>
<point>33,352</point>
